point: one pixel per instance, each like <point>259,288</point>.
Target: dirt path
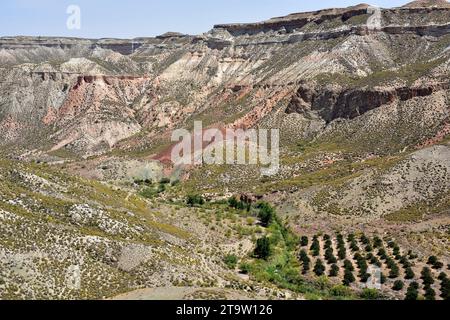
<point>182,293</point>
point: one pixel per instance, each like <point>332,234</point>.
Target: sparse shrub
<point>364,277</point>
<point>149,193</point>
<point>329,256</point>
<point>374,260</point>
<point>430,294</point>
<point>340,291</point>
<point>302,255</point>
<point>349,278</point>
<point>445,289</point>
<point>231,261</point>
<point>398,285</point>
<point>354,246</point>
<point>266,213</point>
<point>412,255</point>
<point>377,242</point>
<point>396,251</point>
<point>193,200</point>
<point>432,260</point>
<point>304,241</point>
<point>306,266</point>
<point>412,292</point>
<point>409,274</point>
<point>370,294</point>
<point>382,254</point>
<point>342,253</point>
<point>364,240</point>
<point>234,203</point>
<point>405,262</point>
<point>319,268</point>
<point>427,276</point>
<point>442,276</point>
<point>262,250</point>
<point>390,263</point>
<point>334,271</point>
<point>161,188</point>
<point>348,266</point>
<point>394,273</point>
<point>315,247</point>
<point>245,268</point>
<point>165,181</point>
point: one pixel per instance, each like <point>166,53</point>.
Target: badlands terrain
<point>92,208</point>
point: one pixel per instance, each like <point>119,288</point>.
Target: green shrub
<point>427,276</point>
<point>398,285</point>
<point>306,266</point>
<point>354,246</point>
<point>231,261</point>
<point>245,268</point>
<point>342,253</point>
<point>370,294</point>
<point>364,240</point>
<point>340,291</point>
<point>266,213</point>
<point>348,265</point>
<point>349,278</point>
<point>394,273</point>
<point>329,256</point>
<point>405,262</point>
<point>193,200</point>
<point>377,242</point>
<point>262,250</point>
<point>315,247</point>
<point>149,193</point>
<point>161,188</point>
<point>304,241</point>
<point>412,292</point>
<point>334,271</point>
<point>445,289</point>
<point>165,181</point>
<point>430,294</point>
<point>409,274</point>
<point>234,203</point>
<point>442,276</point>
<point>319,268</point>
<point>432,260</point>
<point>364,277</point>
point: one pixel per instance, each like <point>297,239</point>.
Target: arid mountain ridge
<point>236,56</point>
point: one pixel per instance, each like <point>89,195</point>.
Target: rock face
<point>334,63</point>
<point>352,103</point>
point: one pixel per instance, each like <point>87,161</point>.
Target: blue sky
<point>134,18</point>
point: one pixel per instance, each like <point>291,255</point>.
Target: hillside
<point>360,95</point>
